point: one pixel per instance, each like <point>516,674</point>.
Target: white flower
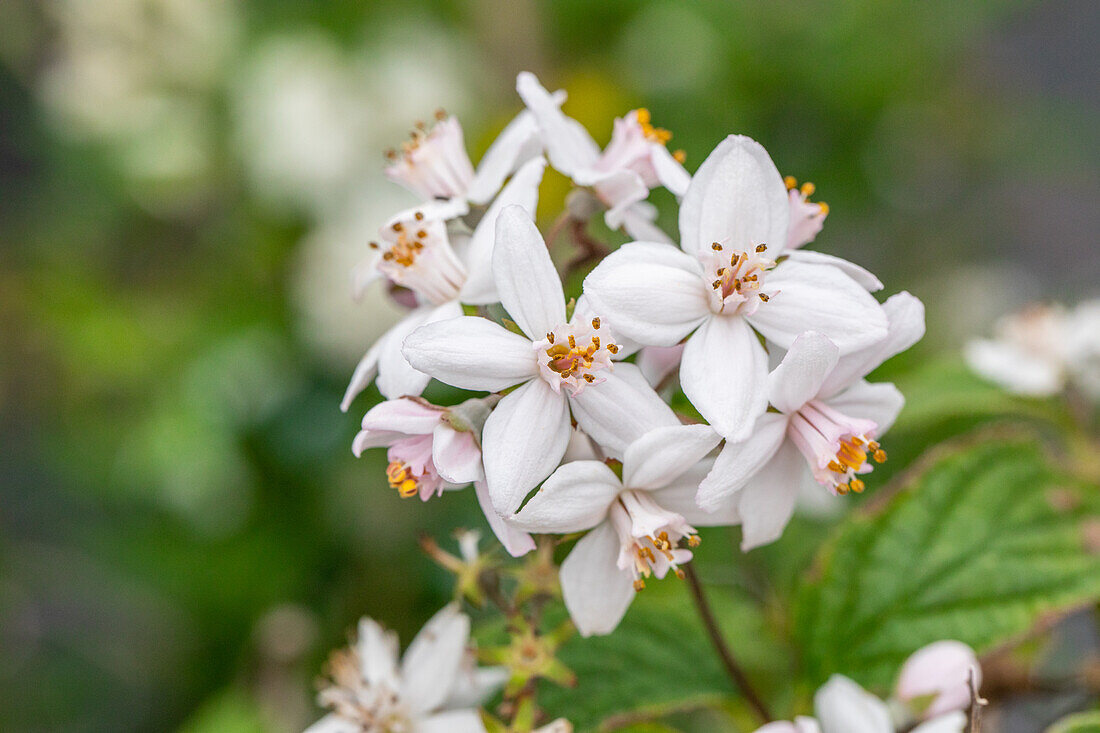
<point>842,706</point>
<point>1036,351</point>
<point>826,412</point>
<point>1028,354</point>
<point>621,176</point>
<point>637,521</point>
<point>806,217</point>
<point>940,674</point>
<point>559,367</point>
<point>434,689</point>
<point>728,281</point>
<point>417,252</point>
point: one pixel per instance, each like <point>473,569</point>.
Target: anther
<point>716,247</point>
<point>693,540</point>
<point>679,156</point>
<point>790,182</point>
<point>879,456</point>
<point>761,248</point>
<point>857,485</point>
<point>373,245</point>
<point>589,378</point>
<point>398,226</point>
<point>613,348</point>
<point>764,297</point>
<point>808,189</point>
<point>550,337</point>
<point>420,234</point>
<point>440,114</point>
<point>572,341</point>
<point>419,216</point>
<point>639,584</point>
<point>824,208</point>
<point>596,341</point>
<point>596,323</point>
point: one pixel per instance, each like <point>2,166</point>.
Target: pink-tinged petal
<point>515,541</point>
<point>799,376</point>
<point>767,500</point>
<point>680,497</point>
<point>620,409</point>
<point>516,144</point>
<point>523,190</point>
<point>620,191</point>
<point>529,286</point>
<point>724,373</point>
<point>523,441</point>
<point>738,462</point>
<point>638,222</point>
<point>865,278</point>
<point>737,197</point>
<point>940,670</point>
<point>431,662</point>
<point>377,649</point>
<point>403,415</point>
<point>880,402</point>
<point>905,319</point>
<point>1014,368</point>
<point>573,499</point>
<point>842,706</point>
<point>651,293</point>
<point>471,353</point>
<point>396,377</point>
<point>452,721</point>
<point>662,455</point>
<point>670,172</point>
<point>596,592</point>
<point>365,372</point>
<point>568,145</point>
<point>456,455</point>
<point>332,723</point>
<point>818,298</point>
<point>955,722</point>
<point>657,363</point>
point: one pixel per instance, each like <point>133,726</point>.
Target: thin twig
<point>555,229</point>
<point>733,669</point>
<point>977,702</point>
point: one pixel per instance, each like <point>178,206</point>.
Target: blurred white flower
<point>935,679</point>
<point>434,688</point>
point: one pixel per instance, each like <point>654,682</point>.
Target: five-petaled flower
<point>558,367</point>
<point>637,521</point>
<point>826,413</point>
<point>728,283</point>
<point>434,689</point>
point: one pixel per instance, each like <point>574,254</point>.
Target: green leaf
<point>1080,723</point>
<point>229,712</point>
<point>659,660</point>
<point>985,541</point>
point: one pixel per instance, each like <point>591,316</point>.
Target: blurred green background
<point>184,532</point>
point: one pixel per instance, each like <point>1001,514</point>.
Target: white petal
<point>880,402</point>
<point>568,144</point>
<point>332,723</point>
<point>798,377</point>
<point>670,172</point>
<point>679,497</point>
<point>649,292</point>
<point>431,662</point>
<point>740,461</point>
<point>818,298</point>
<point>724,373</point>
<point>767,500</point>
<point>801,724</point>
<point>865,278</point>
<point>1017,370</point>
<point>365,372</point>
<point>638,223</point>
<point>517,143</point>
<point>662,455</point>
<point>950,723</point>
<point>905,318</point>
<point>456,455</point>
<point>474,684</point>
<point>377,649</point>
<point>842,706</point>
<point>620,409</point>
<point>621,189</point>
<point>573,499</point>
<point>737,197</point>
<point>529,286</point>
<point>522,190</point>
<point>596,592</point>
<point>659,362</point>
<point>403,415</point>
<point>396,377</point>
<point>515,541</point>
<point>471,353</point>
<point>523,441</point>
<point>451,721</point>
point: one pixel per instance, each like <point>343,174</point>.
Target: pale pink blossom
<point>936,678</point>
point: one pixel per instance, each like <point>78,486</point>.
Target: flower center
<point>738,279</point>
<point>373,708</point>
<point>837,447</point>
<point>649,537</point>
<point>571,353</point>
<point>401,478</point>
<point>433,163</point>
<point>411,470</point>
<point>416,254</point>
<point>806,190</point>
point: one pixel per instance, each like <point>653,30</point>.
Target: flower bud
<point>936,678</point>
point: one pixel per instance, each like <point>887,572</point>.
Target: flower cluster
<point>935,685</point>
<point>570,432</point>
<point>1042,349</point>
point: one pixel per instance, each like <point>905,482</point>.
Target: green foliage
<point>978,547</point>
<point>229,712</point>
<point>1080,723</point>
